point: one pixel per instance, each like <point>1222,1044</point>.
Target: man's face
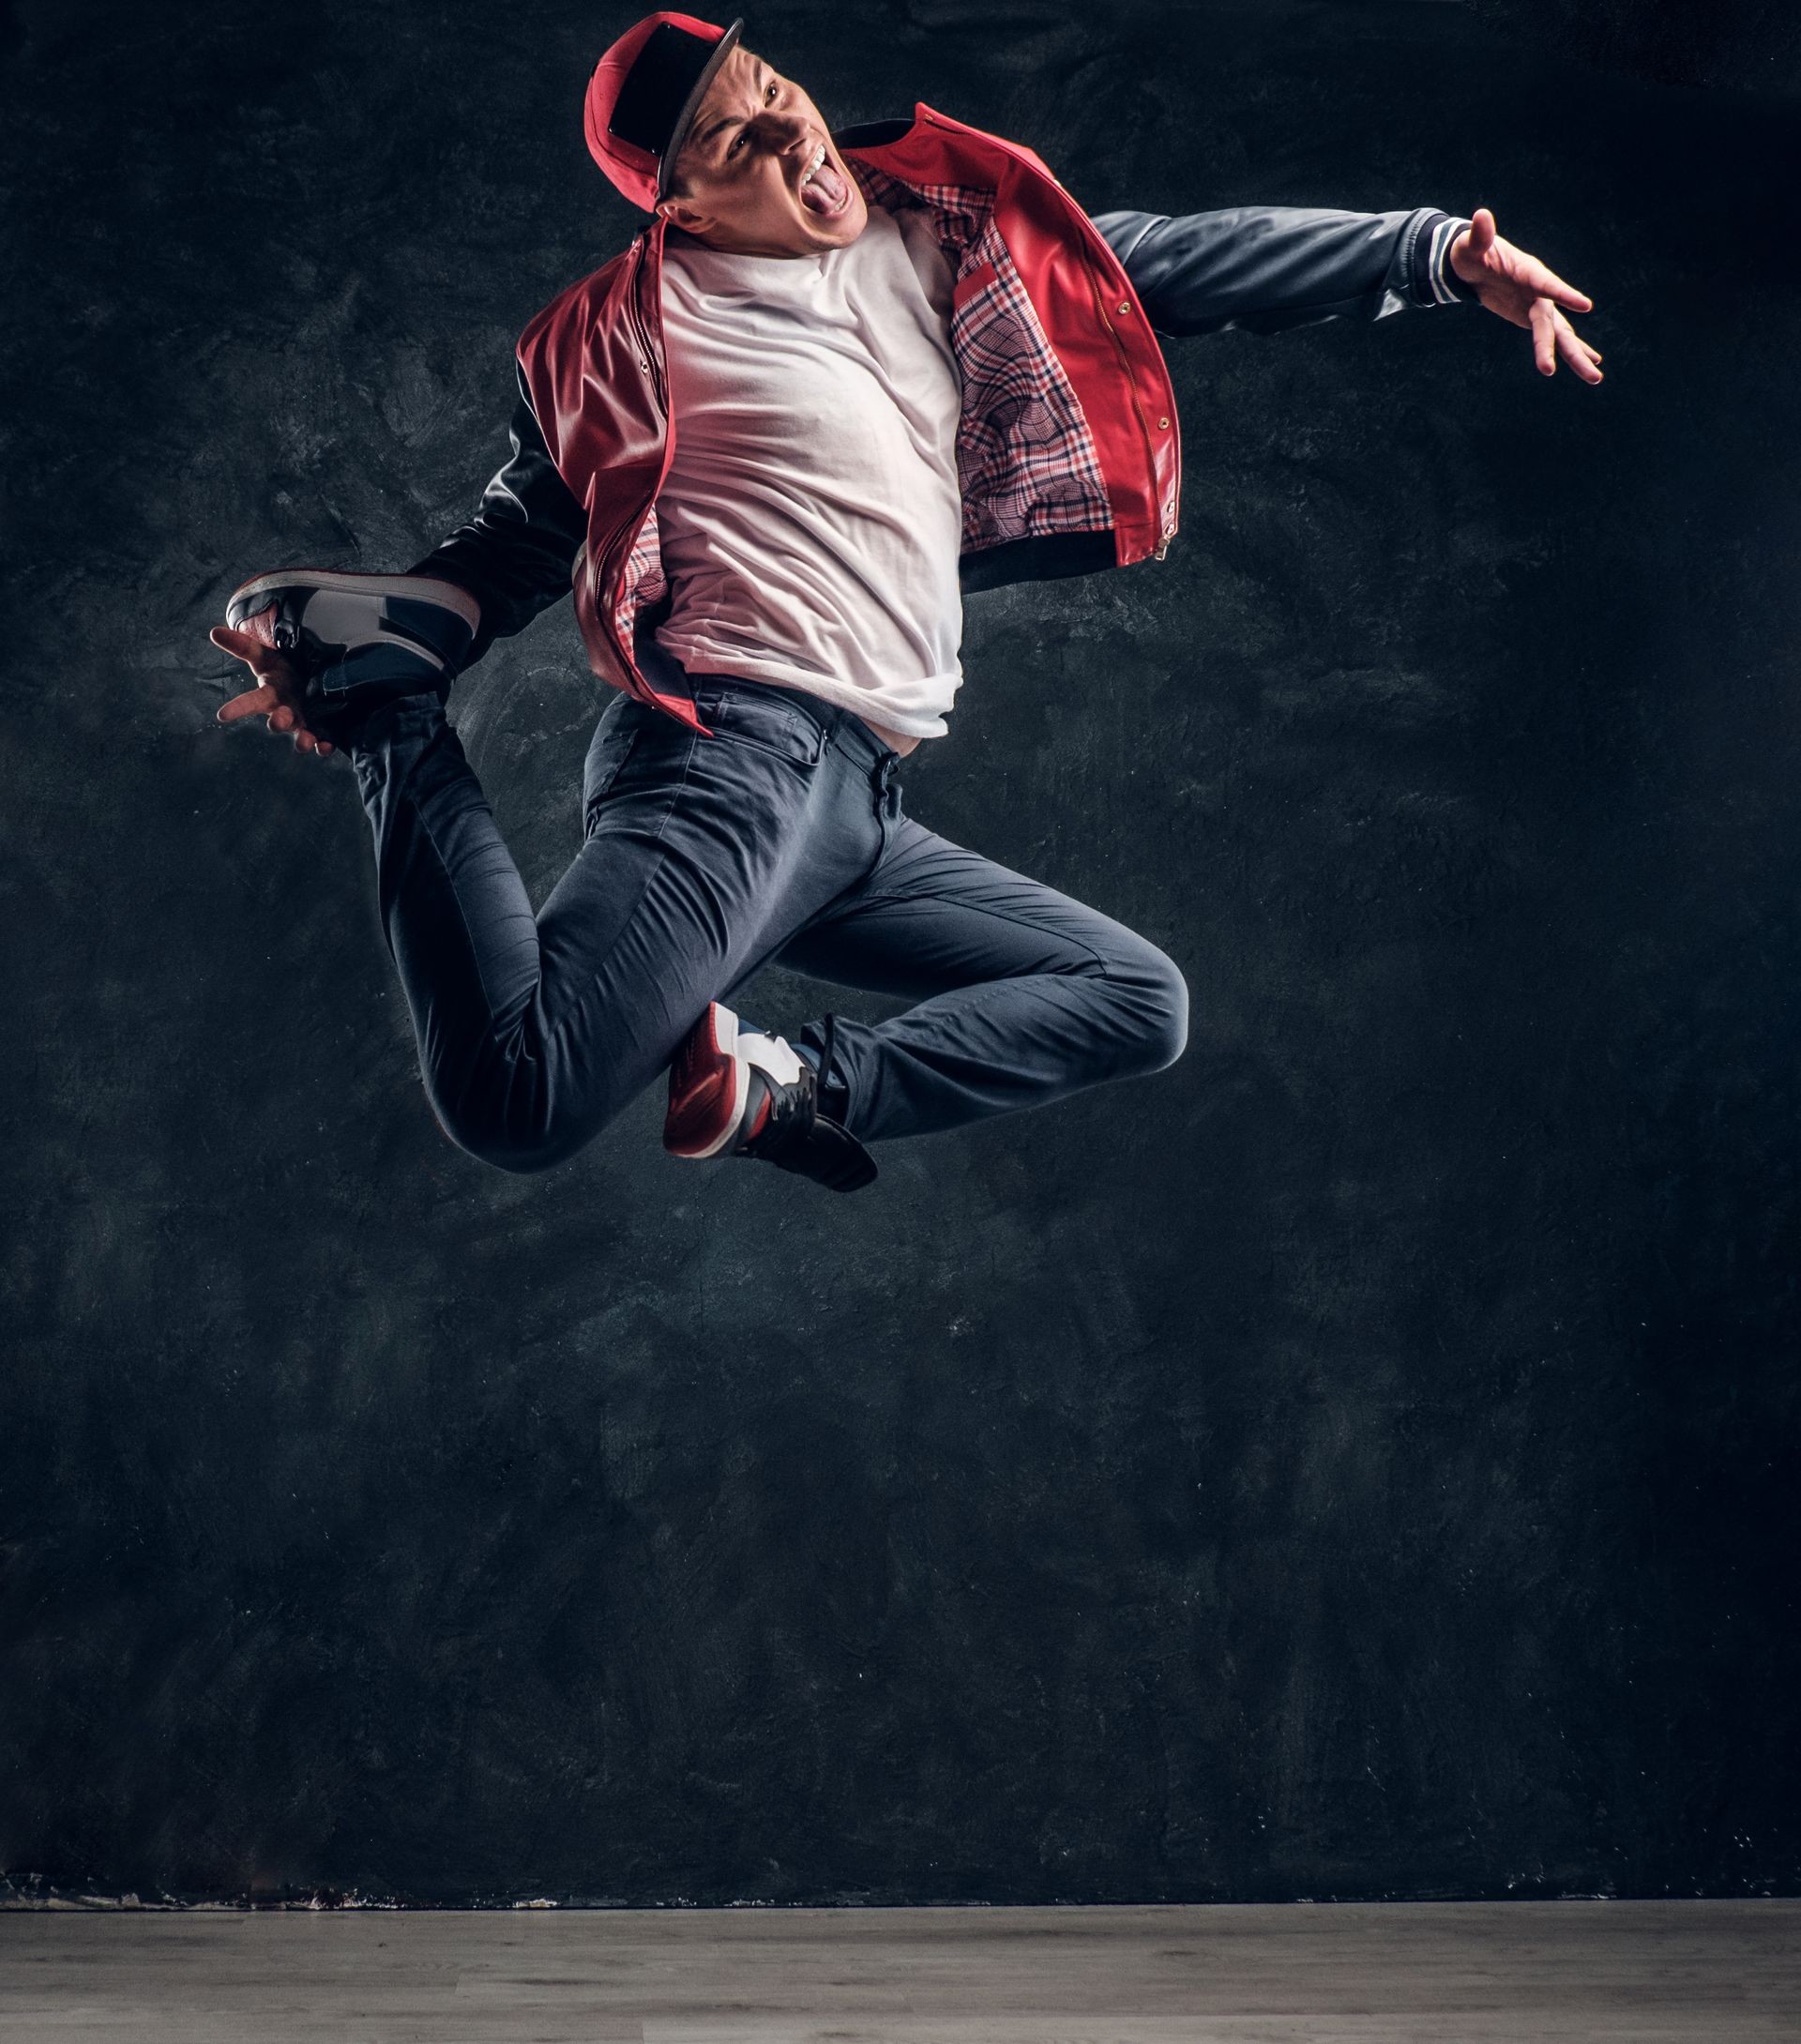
<point>758,174</point>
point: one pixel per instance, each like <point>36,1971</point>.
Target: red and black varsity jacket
<point>1068,448</point>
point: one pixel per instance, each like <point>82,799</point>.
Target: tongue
<point>824,192</point>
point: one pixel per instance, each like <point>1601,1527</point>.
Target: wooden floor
<point>1707,1973</point>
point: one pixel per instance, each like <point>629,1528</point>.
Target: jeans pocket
<point>613,738</point>
<point>760,721</point>
<point>635,746</point>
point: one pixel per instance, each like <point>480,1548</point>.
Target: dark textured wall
<point>1355,1462</point>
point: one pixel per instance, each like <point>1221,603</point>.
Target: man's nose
<point>784,131</point>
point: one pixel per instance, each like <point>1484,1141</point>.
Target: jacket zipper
<point>646,358</point>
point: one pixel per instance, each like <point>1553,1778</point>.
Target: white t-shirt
<point>810,520</point>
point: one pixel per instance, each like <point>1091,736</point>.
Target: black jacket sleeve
<point>1262,269</point>
<point>515,556</point>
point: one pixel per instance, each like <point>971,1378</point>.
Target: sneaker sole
<point>410,588</point>
<point>725,1037</point>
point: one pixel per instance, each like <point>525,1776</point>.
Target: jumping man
<point>835,382</point>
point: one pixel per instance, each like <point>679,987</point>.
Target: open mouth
<point>822,189</point>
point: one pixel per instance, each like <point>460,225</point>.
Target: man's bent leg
<point>535,1031</point>
<point>1028,995</point>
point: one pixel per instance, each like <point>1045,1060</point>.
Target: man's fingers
<point>244,647</point>
<point>1550,285</point>
<point>1544,336</point>
<point>264,661</point>
<point>1552,336</point>
<point>276,687</point>
<point>1531,275</point>
<point>1576,351</point>
<point>262,700</point>
<point>257,702</point>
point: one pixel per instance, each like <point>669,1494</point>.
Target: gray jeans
<point>781,839</point>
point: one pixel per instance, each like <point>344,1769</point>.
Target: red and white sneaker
<point>736,1090</point>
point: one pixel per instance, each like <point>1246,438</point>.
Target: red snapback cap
<point>644,95</point>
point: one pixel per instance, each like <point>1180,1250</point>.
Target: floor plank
<point>1519,1973</point>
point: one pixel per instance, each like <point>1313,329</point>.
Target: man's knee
<point>1159,1008</point>
<point>1168,1034</point>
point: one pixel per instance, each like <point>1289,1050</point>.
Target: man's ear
<point>682,213</point>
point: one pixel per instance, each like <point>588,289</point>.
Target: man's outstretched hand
<point>277,694</point>
<point>1519,287</point>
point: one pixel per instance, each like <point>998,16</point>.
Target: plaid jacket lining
<point>643,581</point>
<point>1025,457</point>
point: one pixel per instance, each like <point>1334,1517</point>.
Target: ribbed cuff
<point>834,1088</point>
<point>1448,287</point>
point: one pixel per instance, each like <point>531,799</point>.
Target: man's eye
<point>770,93</point>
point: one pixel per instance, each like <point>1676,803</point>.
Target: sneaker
<point>360,641</point>
<point>736,1090</point>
